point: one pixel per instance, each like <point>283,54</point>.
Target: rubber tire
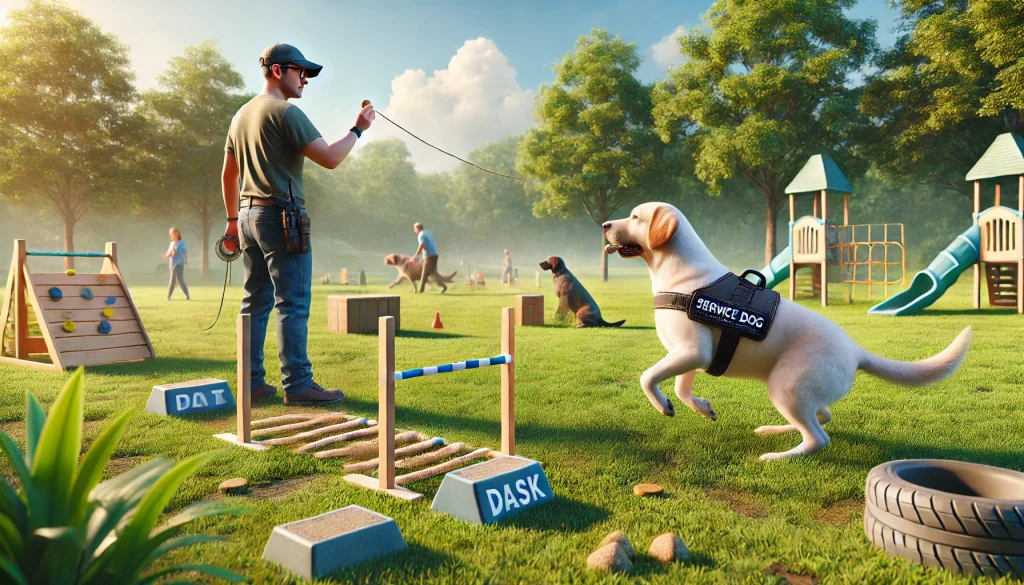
<point>964,534</point>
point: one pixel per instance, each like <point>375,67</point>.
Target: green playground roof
<point>1004,157</point>
<point>820,173</point>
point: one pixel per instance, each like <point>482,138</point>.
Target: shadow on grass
<point>414,561</point>
<point>890,451</point>
<point>563,514</point>
<point>963,312</point>
<point>426,335</point>
<point>645,566</point>
<point>165,366</point>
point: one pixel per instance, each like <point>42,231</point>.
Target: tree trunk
<point>772,212</point>
<point>204,242</point>
<point>69,242</point>
<point>604,258</point>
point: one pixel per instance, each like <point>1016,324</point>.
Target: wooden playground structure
<point>83,319</point>
<point>337,435</point>
<point>860,250</point>
<point>1001,247</point>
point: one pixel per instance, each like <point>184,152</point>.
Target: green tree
<point>764,88</point>
<point>191,113</point>
<point>945,90</point>
<point>66,99</point>
<point>491,208</point>
<point>595,149</point>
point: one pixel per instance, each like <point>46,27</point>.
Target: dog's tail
<point>919,373</point>
<point>450,277</point>
<point>615,324</point>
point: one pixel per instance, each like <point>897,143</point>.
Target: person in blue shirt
<point>178,259</point>
<point>429,249</point>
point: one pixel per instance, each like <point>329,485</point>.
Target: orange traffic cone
<point>437,320</point>
<point>480,278</point>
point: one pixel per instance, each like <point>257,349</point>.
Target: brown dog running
<point>573,297</point>
<point>411,269</point>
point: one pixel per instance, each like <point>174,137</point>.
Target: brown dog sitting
<point>411,269</point>
<point>573,297</point>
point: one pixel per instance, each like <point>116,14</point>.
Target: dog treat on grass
<point>620,537</point>
<point>324,418</point>
<point>403,452</point>
<point>345,426</point>
<point>359,434</point>
<point>432,457</point>
<point>364,448</point>
<point>269,422</point>
<point>669,548</point>
<point>230,486</point>
<point>443,467</point>
<point>610,558</point>
<point>648,489</point>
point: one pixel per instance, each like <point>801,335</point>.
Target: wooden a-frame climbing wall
<point>83,320</point>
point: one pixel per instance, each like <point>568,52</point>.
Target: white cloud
<point>476,100</point>
<point>666,51</point>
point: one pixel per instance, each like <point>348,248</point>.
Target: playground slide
<point>777,270</point>
<point>929,284</point>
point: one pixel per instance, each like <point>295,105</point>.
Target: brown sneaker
<point>315,394</point>
<point>262,392</point>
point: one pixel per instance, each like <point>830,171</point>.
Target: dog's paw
<point>668,409</point>
<point>703,407</point>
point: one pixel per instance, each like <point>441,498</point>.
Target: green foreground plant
<point>64,527</point>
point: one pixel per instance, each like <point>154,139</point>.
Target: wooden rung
<point>120,314</point>
<point>301,437</point>
<point>363,448</point>
<point>429,458</point>
<point>61,279</point>
<point>41,366</point>
<point>98,341</point>
<point>403,452</point>
<point>323,418</point>
<point>359,434</point>
<point>443,467</point>
<point>267,422</point>
<point>105,356</point>
<point>79,303</point>
<point>87,328</point>
<point>75,290</point>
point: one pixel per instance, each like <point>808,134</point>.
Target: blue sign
<point>492,490</point>
<point>188,397</point>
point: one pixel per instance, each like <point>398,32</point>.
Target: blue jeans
<point>273,277</point>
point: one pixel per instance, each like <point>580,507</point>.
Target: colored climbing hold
<point>55,294</point>
<point>70,271</point>
<point>111,300</point>
<point>87,294</point>
<point>69,326</point>
<point>108,312</point>
<point>67,315</point>
<point>104,327</point>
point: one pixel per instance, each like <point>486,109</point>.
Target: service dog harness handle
<point>735,305</point>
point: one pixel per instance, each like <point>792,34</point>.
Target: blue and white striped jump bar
<point>457,366</point>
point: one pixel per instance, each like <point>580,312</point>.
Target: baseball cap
<point>282,54</point>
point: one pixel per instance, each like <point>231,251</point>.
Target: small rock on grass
<point>610,558</point>
<point>620,537</point>
<point>669,548</point>
<point>231,486</point>
<point>648,489</point>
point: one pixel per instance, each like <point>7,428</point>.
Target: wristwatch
<point>359,133</point>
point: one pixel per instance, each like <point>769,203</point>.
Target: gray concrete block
<point>492,490</point>
<point>317,546</point>
<point>191,396</point>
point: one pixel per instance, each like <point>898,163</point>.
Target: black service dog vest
<point>735,305</point>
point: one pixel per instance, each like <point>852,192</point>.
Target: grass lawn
<point>581,411</point>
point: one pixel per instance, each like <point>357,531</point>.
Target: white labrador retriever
<point>807,361</point>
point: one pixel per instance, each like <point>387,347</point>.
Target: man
<point>264,153</point>
<point>429,249</point>
<point>506,276</point>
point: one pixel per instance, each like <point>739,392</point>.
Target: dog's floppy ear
<point>663,227</point>
<point>555,262</point>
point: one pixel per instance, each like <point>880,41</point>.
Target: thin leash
<point>376,113</point>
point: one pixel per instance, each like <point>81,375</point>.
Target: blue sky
<point>459,73</point>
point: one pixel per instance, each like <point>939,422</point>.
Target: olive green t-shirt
<point>267,136</point>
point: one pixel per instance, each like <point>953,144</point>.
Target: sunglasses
<point>300,70</point>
